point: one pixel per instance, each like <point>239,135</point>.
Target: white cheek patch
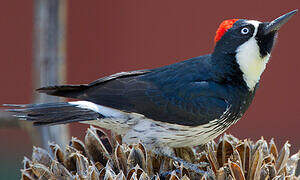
<point>248,57</point>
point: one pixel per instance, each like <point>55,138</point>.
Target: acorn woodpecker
<point>184,104</point>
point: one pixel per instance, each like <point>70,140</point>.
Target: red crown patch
<point>224,26</point>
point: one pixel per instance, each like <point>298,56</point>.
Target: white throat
<point>251,63</point>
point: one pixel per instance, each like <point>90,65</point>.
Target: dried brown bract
<point>101,156</point>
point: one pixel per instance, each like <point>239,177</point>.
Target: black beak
<point>276,24</point>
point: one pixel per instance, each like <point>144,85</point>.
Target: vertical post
<point>50,59</point>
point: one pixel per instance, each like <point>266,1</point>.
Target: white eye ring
<point>245,31</point>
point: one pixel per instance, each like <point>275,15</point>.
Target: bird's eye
<point>245,31</point>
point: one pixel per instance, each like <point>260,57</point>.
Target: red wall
<point>106,37</point>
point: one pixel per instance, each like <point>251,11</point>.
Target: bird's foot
<point>191,166</point>
<point>170,153</point>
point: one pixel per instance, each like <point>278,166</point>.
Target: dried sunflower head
<point>105,157</point>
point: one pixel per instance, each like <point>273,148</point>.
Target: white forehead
<point>255,24</point>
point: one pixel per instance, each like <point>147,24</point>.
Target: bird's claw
<point>191,166</point>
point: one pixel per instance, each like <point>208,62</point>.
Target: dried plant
<point>106,157</point>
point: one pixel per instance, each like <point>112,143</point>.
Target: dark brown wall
<point>15,51</point>
<point>109,36</point>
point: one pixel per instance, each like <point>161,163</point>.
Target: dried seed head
<point>78,145</point>
<point>59,171</point>
<point>105,157</point>
<point>41,156</point>
<point>136,157</point>
<point>57,152</point>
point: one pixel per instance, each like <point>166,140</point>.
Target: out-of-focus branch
<point>49,58</point>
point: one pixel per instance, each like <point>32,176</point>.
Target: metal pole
<point>50,59</point>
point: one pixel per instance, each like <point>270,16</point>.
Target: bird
<point>184,104</point>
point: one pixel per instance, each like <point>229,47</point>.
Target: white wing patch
<point>114,119</point>
<point>248,57</point>
<point>105,111</point>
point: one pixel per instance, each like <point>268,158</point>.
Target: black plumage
<point>191,92</point>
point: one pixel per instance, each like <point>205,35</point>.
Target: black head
<point>244,46</point>
<point>235,32</point>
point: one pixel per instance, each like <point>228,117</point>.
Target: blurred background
<point>104,37</point>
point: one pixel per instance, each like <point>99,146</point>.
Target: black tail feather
<point>70,91</point>
<point>52,113</point>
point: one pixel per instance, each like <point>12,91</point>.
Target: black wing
<point>192,104</point>
<point>74,91</point>
<point>172,94</point>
